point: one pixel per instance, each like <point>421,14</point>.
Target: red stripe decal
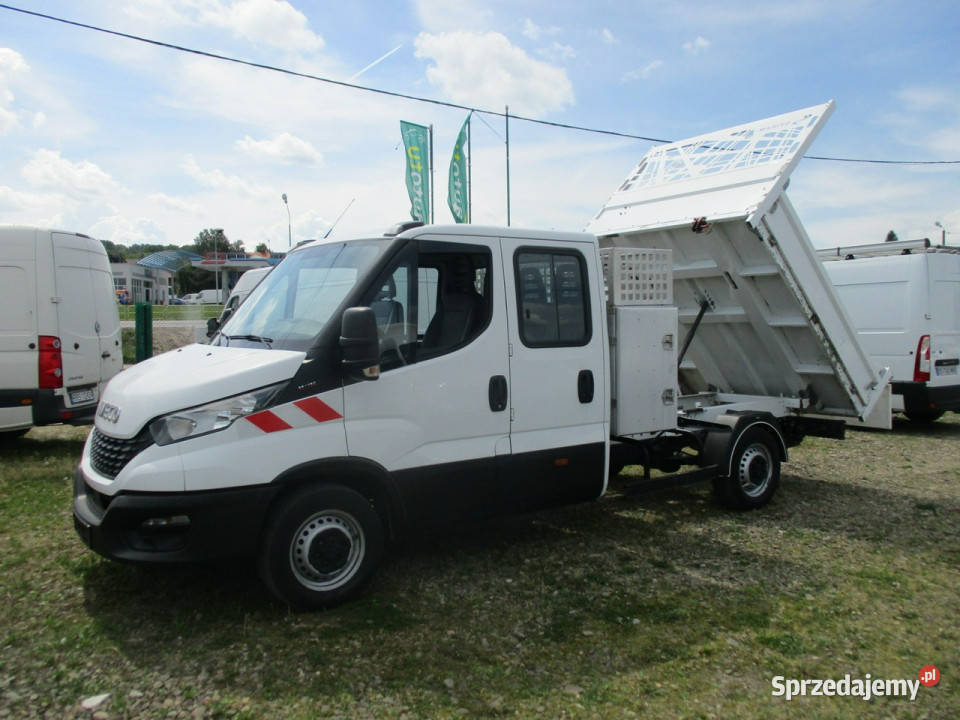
<point>268,422</point>
<point>318,409</point>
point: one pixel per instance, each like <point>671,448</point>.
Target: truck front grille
<point>109,455</point>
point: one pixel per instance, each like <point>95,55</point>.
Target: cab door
<point>558,359</point>
<point>437,417</point>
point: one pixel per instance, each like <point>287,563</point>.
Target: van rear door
<point>84,295</point>
<point>107,322</point>
<point>18,329</point>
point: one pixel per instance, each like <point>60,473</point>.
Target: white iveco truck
<point>444,372</point>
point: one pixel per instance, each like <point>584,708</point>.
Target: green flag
<point>416,144</point>
<point>458,181</point>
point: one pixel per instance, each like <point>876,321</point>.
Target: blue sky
<point>135,143</point>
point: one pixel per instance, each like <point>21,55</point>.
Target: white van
<point>247,282</point>
<point>904,299</point>
<point>210,296</point>
<point>59,329</point>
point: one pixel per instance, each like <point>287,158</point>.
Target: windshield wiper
<point>253,338</point>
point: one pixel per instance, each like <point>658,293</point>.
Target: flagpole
<point>469,172</point>
<point>506,116</point>
<point>431,173</point>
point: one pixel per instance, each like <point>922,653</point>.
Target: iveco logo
<point>110,413</point>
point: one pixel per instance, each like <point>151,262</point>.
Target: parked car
<point>191,299</point>
<point>174,300</point>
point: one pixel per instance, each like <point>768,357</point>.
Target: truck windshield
<point>293,303</point>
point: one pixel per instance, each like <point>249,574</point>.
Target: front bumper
<point>170,527</point>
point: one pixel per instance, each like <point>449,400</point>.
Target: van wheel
<point>320,546</point>
<point>755,471</point>
<point>923,417</point>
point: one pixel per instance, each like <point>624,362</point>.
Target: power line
<point>415,98</point>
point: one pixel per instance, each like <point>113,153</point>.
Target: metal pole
<point>430,130</point>
<point>469,173</point>
<point>289,230</point>
<point>216,265</point>
<point>507,119</point>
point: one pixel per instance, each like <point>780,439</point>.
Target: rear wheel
<point>320,546</point>
<point>923,416</point>
<point>754,471</point>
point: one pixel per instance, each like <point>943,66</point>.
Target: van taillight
<point>921,366</point>
<point>50,363</point>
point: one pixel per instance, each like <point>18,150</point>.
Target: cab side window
<point>431,301</point>
<point>552,298</point>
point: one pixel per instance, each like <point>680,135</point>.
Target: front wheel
<point>320,546</point>
<point>754,471</point>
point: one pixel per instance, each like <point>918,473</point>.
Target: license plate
<point>82,396</point>
<point>948,370</point>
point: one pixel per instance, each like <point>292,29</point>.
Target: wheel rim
<point>755,470</point>
<point>327,550</point>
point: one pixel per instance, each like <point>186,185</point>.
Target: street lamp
<point>943,232</point>
<point>289,231</point>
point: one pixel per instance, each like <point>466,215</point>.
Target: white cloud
<point>219,180</point>
<point>121,229</point>
<point>11,199</point>
<point>925,98</point>
<point>284,148</point>
<point>535,32</point>
<point>49,171</point>
<point>557,52</point>
<point>265,22</point>
<point>643,73</point>
<point>699,45</point>
<point>850,205</point>
<point>178,204</point>
<point>487,70</point>
<point>608,37</point>
<point>12,67</point>
<point>272,22</point>
<point>928,117</point>
<point>449,15</point>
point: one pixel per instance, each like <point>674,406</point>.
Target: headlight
<point>211,417</point>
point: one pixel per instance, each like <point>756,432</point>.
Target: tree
<point>892,236</point>
<point>210,240</point>
<point>262,248</point>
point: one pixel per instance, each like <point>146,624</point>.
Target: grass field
<point>661,607</point>
<point>173,312</point>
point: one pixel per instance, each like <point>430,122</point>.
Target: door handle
<point>585,386</point>
<point>105,354</point>
<point>497,393</point>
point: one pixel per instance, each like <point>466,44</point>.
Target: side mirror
<point>359,343</point>
<point>212,326</point>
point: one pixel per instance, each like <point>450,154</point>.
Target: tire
<point>923,417</point>
<point>755,471</point>
<point>320,546</point>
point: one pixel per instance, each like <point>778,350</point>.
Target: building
<point>135,283</point>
